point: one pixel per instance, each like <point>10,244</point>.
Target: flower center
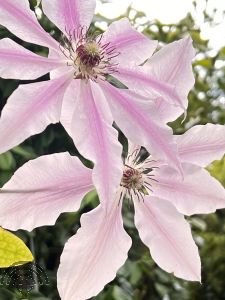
<point>89,56</point>
<point>138,175</point>
<point>132,179</point>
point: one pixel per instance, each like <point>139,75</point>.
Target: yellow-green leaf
<point>13,251</point>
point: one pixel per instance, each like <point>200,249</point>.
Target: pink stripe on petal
<point>168,236</point>
<point>97,140</point>
<point>42,189</point>
<point>173,64</point>
<point>129,112</point>
<point>167,112</point>
<point>30,109</point>
<point>70,101</point>
<point>196,193</point>
<point>202,144</point>
<point>137,78</point>
<point>132,46</point>
<point>69,15</point>
<point>17,62</point>
<point>70,8</point>
<point>21,21</point>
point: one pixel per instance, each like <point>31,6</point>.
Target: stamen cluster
<point>132,178</point>
<point>138,175</point>
<point>90,58</point>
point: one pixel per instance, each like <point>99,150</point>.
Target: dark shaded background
<point>140,278</point>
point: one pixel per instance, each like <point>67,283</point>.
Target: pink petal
<point>94,136</point>
<point>70,101</point>
<point>137,78</point>
<point>62,69</point>
<point>21,21</point>
<point>130,112</point>
<point>132,46</point>
<point>69,15</point>
<point>167,112</point>
<point>92,257</point>
<point>29,110</point>
<point>18,63</point>
<point>42,189</point>
<point>168,237</point>
<point>202,144</point>
<point>173,64</point>
<point>197,193</point>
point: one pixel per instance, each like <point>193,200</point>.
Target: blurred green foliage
<point>139,278</point>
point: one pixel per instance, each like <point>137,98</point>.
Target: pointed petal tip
<point>92,258</point>
<point>55,188</point>
<point>189,43</point>
<point>202,144</point>
<point>168,236</point>
<point>194,277</point>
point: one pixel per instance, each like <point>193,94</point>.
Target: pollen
<point>89,54</point>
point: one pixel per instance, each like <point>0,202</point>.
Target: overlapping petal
<point>168,236</point>
<point>95,138</point>
<point>92,257</point>
<point>17,62</point>
<point>69,15</point>
<point>42,189</point>
<point>173,64</point>
<point>134,77</point>
<point>130,112</point>
<point>70,101</point>
<point>30,109</point>
<point>196,193</point>
<point>202,144</point>
<point>21,21</point>
<point>132,46</point>
<point>166,112</point>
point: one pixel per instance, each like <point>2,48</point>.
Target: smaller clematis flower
<point>160,199</point>
<point>45,187</point>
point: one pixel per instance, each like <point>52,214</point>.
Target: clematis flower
<point>45,187</point>
<point>79,94</point>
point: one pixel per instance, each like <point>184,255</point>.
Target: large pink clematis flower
<point>45,187</point>
<point>79,94</point>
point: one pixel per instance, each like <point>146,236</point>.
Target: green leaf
<point>120,294</point>
<point>26,152</point>
<point>13,251</point>
<point>222,53</point>
<point>206,62</point>
<point>7,161</point>
<point>217,170</point>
